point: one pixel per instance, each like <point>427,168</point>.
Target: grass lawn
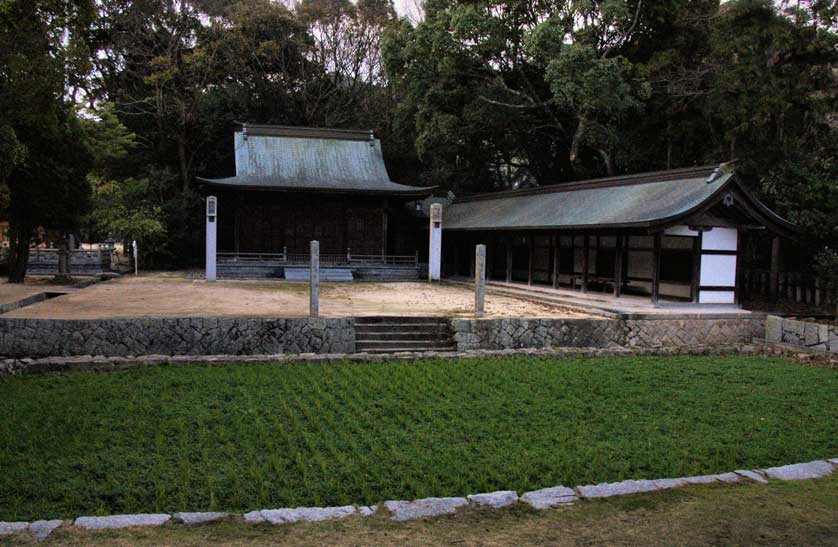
<point>249,437</point>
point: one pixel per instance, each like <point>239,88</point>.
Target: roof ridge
<point>603,182</point>
<point>306,132</point>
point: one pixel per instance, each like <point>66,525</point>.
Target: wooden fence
<point>784,287</point>
<point>343,259</point>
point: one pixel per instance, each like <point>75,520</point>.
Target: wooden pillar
<point>472,266</point>
<point>384,219</point>
<point>479,279</point>
<point>556,245</point>
<point>656,269</point>
<point>509,241</point>
<point>618,267</point>
<point>530,255</point>
<point>490,250</point>
<point>774,282</point>
<point>696,268</point>
<point>586,255</point>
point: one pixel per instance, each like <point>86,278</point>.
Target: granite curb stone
<point>27,365</point>
<point>402,510</point>
<point>550,497</point>
<point>198,518</point>
<point>604,490</point>
<point>8,528</point>
<point>121,521</point>
<point>495,500</point>
<point>367,510</point>
<point>755,476</point>
<point>41,529</point>
<point>307,514</point>
<point>799,471</point>
<point>254,516</point>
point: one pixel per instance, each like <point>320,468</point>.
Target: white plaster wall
<point>718,270</point>
<point>716,297</point>
<point>680,231</point>
<point>719,239</point>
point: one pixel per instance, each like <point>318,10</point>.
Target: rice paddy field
<point>245,437</point>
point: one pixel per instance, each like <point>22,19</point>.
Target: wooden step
<point>326,274</point>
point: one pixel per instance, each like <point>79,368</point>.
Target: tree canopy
<point>110,108</point>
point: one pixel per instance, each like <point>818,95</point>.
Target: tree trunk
<point>609,163</point>
<point>19,233</point>
<point>577,142</point>
<point>183,163</point>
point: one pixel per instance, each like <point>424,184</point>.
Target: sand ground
<point>176,295</point>
<point>11,292</point>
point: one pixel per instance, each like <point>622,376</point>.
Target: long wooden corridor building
<point>675,234</point>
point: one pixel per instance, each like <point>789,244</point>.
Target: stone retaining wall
<point>804,334</point>
<point>186,336</point>
<point>259,336</point>
<point>496,334</point>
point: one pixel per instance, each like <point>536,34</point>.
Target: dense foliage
<point>111,107</point>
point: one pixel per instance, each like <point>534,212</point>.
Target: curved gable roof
<point>311,159</point>
<point>641,201</point>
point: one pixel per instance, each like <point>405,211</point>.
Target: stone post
<point>479,280</point>
<point>314,279</point>
<point>212,215</point>
<point>435,244</point>
<point>136,257</point>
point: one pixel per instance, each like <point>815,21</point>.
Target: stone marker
<point>121,521</point>
<point>307,514</point>
<point>7,528</point>
<point>41,529</point>
<point>752,475</point>
<point>550,497</point>
<point>211,238</point>
<point>495,500</point>
<point>799,471</point>
<point>428,507</point>
<point>435,242</point>
<point>198,518</point>
<point>314,280</point>
<point>479,280</point>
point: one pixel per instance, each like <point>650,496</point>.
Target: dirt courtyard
<point>11,292</point>
<point>175,295</point>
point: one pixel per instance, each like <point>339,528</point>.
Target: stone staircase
<point>394,334</point>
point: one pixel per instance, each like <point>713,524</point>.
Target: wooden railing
<point>794,287</point>
<point>347,259</point>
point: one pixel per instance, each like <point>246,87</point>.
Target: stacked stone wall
<point>820,337</point>
<point>494,334</point>
<point>265,336</point>
<point>183,336</point>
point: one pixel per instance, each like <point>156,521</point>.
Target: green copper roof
<point>636,200</point>
<point>311,159</point>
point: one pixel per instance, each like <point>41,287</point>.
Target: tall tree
<point>44,161</point>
